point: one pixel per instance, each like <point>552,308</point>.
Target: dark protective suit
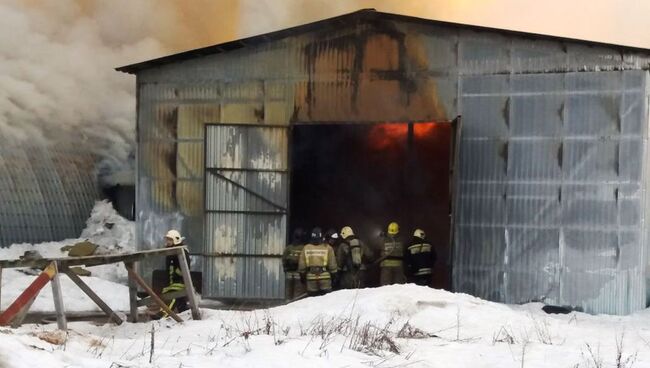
<point>293,286</point>
<point>419,258</point>
<point>392,271</point>
<point>351,257</point>
<point>176,282</point>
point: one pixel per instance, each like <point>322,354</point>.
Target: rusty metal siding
<point>550,192</point>
<point>246,210</point>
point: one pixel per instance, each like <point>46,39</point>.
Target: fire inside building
<point>522,156</point>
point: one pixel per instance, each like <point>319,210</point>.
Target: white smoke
<point>57,83</point>
<point>57,78</point>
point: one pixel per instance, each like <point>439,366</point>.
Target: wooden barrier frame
<point>17,311</point>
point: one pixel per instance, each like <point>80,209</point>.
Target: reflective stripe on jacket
<point>392,251</point>
<point>419,258</point>
<point>317,261</point>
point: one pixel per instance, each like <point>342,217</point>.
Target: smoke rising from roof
<point>57,81</point>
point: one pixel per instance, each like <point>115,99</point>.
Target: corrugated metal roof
<point>347,19</point>
<point>47,192</point>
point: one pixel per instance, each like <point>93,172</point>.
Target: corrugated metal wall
<point>550,159</point>
<point>246,203</point>
<point>46,192</point>
<point>551,190</point>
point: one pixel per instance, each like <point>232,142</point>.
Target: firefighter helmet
<point>298,236</point>
<point>419,233</point>
<point>175,236</point>
<point>331,234</point>
<point>393,228</point>
<point>346,232</point>
<point>316,236</point>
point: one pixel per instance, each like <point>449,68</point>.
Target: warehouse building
<point>521,155</point>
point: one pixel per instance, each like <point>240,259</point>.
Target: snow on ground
<point>349,328</point>
<point>393,326</point>
<point>106,228</point>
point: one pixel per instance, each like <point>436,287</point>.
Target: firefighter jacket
<point>317,262</point>
<point>290,258</point>
<point>419,258</point>
<point>173,268</point>
<point>352,254</point>
<point>392,252</point>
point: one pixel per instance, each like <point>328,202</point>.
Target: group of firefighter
<point>317,264</point>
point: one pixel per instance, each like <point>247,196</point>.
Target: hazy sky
<point>612,21</point>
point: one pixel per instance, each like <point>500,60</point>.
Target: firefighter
<point>351,256</point>
<point>419,258</point>
<point>317,265</point>
<point>391,269</point>
<point>293,287</point>
<point>174,239</point>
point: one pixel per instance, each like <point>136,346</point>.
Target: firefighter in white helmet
<point>419,258</point>
<point>173,238</point>
<point>351,257</point>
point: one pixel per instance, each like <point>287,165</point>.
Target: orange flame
<point>385,135</point>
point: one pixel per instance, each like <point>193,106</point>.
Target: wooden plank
<point>189,287</point>
<point>133,297</point>
<point>61,321</point>
<point>20,317</point>
<point>166,297</point>
<point>24,300</point>
<point>90,260</point>
<point>91,294</point>
<point>156,299</point>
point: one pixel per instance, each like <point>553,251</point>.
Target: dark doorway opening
<point>368,175</point>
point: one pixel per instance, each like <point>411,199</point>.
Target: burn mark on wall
<point>371,72</point>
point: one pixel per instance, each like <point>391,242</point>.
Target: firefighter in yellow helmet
<point>419,258</point>
<point>293,286</point>
<point>317,264</point>
<point>392,271</point>
<point>351,257</point>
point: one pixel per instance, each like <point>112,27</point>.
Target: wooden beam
<point>133,296</point>
<point>154,296</point>
<point>17,321</point>
<point>91,294</point>
<point>61,321</point>
<point>90,260</point>
<point>24,300</point>
<point>189,287</point>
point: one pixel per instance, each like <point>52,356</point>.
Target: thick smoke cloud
<point>57,80</point>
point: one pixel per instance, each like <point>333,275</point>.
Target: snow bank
<point>444,330</point>
<point>106,228</point>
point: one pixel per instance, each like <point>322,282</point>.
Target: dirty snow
<point>328,331</point>
<point>106,228</point>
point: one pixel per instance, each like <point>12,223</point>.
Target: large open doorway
<point>367,175</point>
